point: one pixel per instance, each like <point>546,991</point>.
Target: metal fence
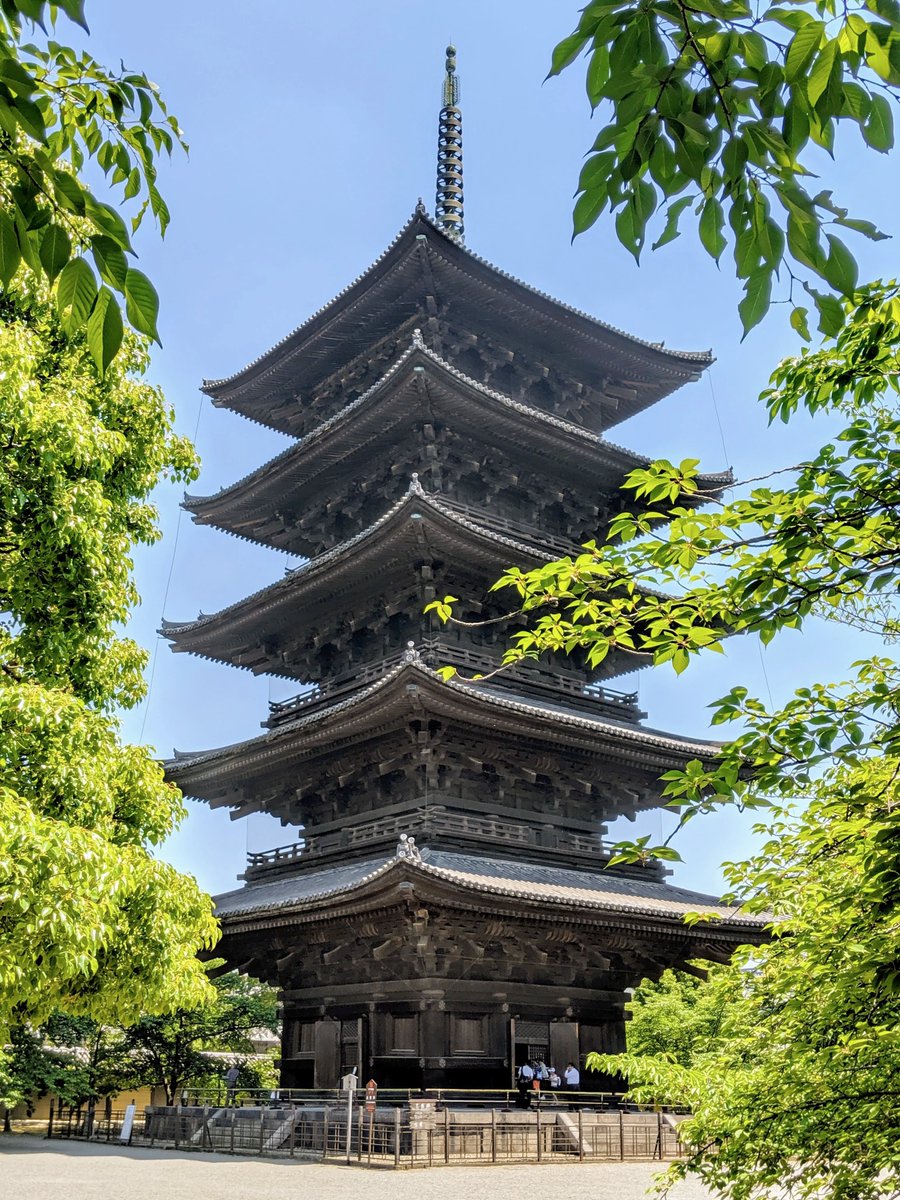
<point>422,1133</point>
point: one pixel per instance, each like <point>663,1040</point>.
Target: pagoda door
<point>563,1044</point>
<point>328,1054</point>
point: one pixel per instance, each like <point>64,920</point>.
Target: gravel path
<point>34,1169</point>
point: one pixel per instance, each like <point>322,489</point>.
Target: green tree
<point>90,921</point>
<point>798,1093</point>
<point>172,1050</point>
<point>677,1016</point>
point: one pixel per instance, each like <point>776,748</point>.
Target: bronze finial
<point>448,209</point>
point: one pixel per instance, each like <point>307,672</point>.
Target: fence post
<point>396,1137</point>
<point>446,1134</point>
<point>621,1136</point>
<point>293,1131</point>
<point>493,1135</point>
<point>325,1131</point>
<point>50,1120</point>
<point>205,1135</point>
<point>537,1113</point>
<point>262,1130</point>
<point>580,1136</point>
<point>177,1126</point>
<point>660,1135</point>
<point>231,1129</point>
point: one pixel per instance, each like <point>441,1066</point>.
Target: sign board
<point>127,1124</point>
<point>371,1094</point>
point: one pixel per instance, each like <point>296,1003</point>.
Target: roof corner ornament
<point>448,207</point>
<point>407,848</point>
<point>411,654</point>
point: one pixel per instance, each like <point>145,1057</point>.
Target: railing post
<point>325,1131</point>
<point>660,1133</point>
<point>446,1134</point>
<point>537,1113</point>
<point>580,1136</point>
<point>177,1126</point>
<point>493,1135</point>
<point>293,1131</point>
<point>621,1136</point>
<point>396,1137</point>
<point>231,1130</point>
<point>262,1130</point>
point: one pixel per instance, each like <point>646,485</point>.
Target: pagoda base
<point>445,1034</point>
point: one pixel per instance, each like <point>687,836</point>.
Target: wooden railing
<point>533,679</point>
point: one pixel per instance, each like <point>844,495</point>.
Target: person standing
<point>524,1083</point>
<point>572,1079</point>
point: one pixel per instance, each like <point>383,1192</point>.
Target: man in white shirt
<point>572,1077</point>
<point>524,1082</point>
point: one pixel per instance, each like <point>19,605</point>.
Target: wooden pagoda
<point>446,910</point>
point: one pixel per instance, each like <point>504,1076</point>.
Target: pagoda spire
<point>448,208</point>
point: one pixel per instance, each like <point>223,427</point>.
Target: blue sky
<point>313,132</point>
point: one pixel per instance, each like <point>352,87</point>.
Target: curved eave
<point>471,881</point>
<point>247,390</point>
<point>339,438</point>
<point>365,557</point>
<point>412,687</point>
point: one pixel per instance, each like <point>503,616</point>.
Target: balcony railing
<point>533,679</point>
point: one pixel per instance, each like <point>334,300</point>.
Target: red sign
<point>371,1093</point>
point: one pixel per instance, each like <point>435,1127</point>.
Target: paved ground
<point>34,1169</point>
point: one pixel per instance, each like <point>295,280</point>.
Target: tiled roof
<point>298,576</point>
<point>555,886</point>
<point>631,735</point>
<point>211,386</point>
<point>417,350</point>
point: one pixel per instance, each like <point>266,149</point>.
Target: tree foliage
<point>797,1092</point>
<point>676,1016</point>
<point>90,921</point>
<point>171,1049</point>
<point>59,108</point>
<point>722,109</point>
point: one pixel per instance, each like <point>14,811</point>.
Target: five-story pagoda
<point>447,912</point>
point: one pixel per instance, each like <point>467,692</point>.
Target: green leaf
<point>802,49</point>
<point>672,216</point>
<point>879,129</point>
<point>588,207</point>
<point>56,248</point>
<point>142,303</point>
<point>712,222</point>
<point>831,313</point>
<point>566,52</point>
<point>757,297</point>
<point>30,118</point>
<point>840,267</point>
<point>111,261</point>
<point>821,73</point>
<point>10,253</point>
<point>76,290</point>
<point>74,10</point>
<point>799,322</point>
<point>104,330</point>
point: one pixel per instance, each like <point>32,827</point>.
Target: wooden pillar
<point>564,1045</point>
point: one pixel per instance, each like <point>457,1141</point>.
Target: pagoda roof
<point>408,691</point>
<point>422,268</point>
<point>420,523</point>
<point>554,891</point>
<point>420,382</point>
